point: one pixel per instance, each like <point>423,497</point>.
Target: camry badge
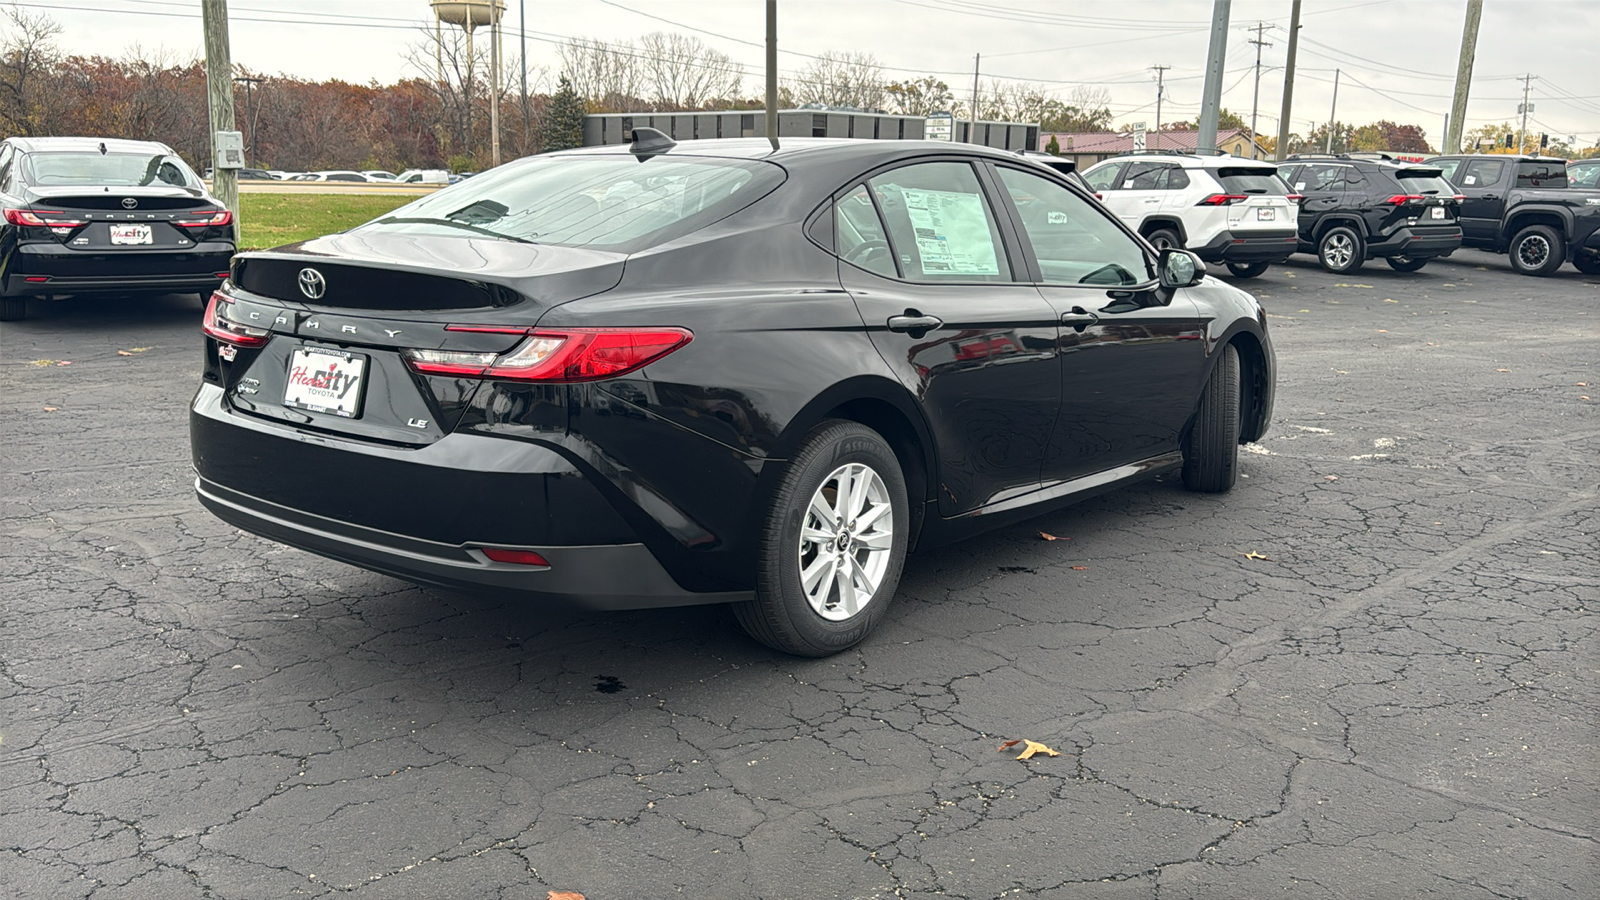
<point>312,284</point>
<point>130,202</point>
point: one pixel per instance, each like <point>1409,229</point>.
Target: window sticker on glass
<point>952,232</point>
<point>1472,179</point>
<point>1056,218</point>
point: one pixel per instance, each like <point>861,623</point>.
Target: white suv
<point>1226,209</point>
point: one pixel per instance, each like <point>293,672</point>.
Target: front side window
<point>1483,172</point>
<point>52,168</point>
<point>941,226</point>
<point>1102,178</point>
<point>859,238</point>
<point>612,201</point>
<point>1074,241</point>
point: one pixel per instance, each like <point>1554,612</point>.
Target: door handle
<point>914,321</point>
<point>1079,318</point>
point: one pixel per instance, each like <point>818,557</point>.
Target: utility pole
<point>1282,149</point>
<point>1527,82</point>
<point>249,117</point>
<point>494,84</point>
<point>1211,100</point>
<point>219,100</point>
<point>1333,110</point>
<point>972,130</point>
<point>772,73</point>
<point>1458,104</point>
<point>522,35</point>
<point>1255,100</point>
<point>1160,89</point>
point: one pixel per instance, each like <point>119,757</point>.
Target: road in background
<point>1370,671</point>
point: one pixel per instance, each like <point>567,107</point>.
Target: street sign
<point>1138,136</point>
<point>939,127</point>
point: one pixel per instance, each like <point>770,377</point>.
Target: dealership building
<point>613,128</point>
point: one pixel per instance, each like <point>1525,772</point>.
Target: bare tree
<point>27,54</point>
<point>461,81</point>
<point>842,79</point>
<point>607,74</point>
<point>681,72</point>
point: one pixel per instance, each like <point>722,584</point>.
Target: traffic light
<point>1544,141</point>
<point>1508,142</point>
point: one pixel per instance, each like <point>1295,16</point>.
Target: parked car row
<point>1347,209</point>
<point>368,176</point>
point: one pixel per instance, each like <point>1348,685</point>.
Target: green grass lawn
<point>267,220</point>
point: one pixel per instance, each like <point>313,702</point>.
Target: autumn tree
<point>919,96</point>
<point>28,53</point>
<point>562,126</point>
<point>1386,135</point>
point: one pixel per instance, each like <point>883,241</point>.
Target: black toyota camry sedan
<point>662,374</point>
<point>98,215</point>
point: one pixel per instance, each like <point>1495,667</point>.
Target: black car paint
<point>1386,229</point>
<point>1492,214</point>
<point>680,457</point>
<point>81,258</point>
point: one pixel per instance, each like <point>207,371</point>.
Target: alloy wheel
<point>1339,250</point>
<point>1533,251</point>
<point>845,541</point>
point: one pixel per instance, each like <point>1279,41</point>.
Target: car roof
<point>789,148</point>
<point>1188,161</point>
<point>88,145</point>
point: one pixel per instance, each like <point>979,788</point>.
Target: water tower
<point>469,15</point>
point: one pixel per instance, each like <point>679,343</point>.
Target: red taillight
<point>520,557</point>
<point>224,329</point>
<point>31,217</point>
<point>1223,200</point>
<point>1460,197</point>
<point>1294,198</point>
<point>566,355</point>
<point>225,217</point>
<point>1400,199</point>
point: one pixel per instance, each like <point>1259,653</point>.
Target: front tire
<point>1537,250</point>
<point>1405,263</point>
<point>1341,250</point>
<point>13,309</point>
<point>1247,270</point>
<point>1211,451</point>
<point>1163,238</point>
<point>832,546</point>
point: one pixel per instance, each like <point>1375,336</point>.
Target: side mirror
<point>1179,268</point>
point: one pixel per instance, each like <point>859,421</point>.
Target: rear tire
<point>1211,451</point>
<point>1405,263</point>
<point>1341,250</point>
<point>1588,265</point>
<point>1247,270</point>
<point>13,309</point>
<point>803,605</point>
<point>1537,250</point>
<point>1162,238</point>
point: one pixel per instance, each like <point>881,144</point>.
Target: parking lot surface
<point>1369,671</point>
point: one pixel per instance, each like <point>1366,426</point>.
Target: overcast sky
<point>1397,57</point>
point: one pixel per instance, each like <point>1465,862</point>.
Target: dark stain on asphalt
<point>608,684</point>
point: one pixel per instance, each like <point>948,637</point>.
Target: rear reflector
<point>519,557</point>
<point>37,279</point>
<point>564,356</point>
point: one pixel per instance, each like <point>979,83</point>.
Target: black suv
<point>1357,207</point>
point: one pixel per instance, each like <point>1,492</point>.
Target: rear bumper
<point>1417,243</point>
<point>601,577</point>
<point>1261,245</point>
<point>71,271</point>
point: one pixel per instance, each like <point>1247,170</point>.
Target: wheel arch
<point>1558,219</point>
<point>1255,395</point>
<point>1153,223</point>
<point>1332,221</point>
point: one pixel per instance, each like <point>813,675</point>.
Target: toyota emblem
<point>312,284</point>
<point>129,202</point>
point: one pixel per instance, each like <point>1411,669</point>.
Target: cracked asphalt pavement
<point>1369,671</point>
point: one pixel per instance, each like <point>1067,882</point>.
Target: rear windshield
<point>1541,175</point>
<point>49,168</point>
<point>1252,180</point>
<point>613,202</point>
<point>1425,181</point>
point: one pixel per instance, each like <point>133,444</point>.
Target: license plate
<point>131,234</point>
<point>1436,213</point>
<point>1266,215</point>
<point>326,381</point>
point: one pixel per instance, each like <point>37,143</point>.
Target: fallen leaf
<point>1007,745</point>
<point>1330,478</point>
<point>1305,310</point>
<point>1502,370</point>
<point>1387,300</point>
<point>51,408</point>
<point>137,349</point>
<point>1254,555</point>
<point>1032,747</point>
<point>63,362</point>
<point>1383,331</point>
<point>1049,537</point>
<point>123,353</point>
<point>1585,397</point>
<point>563,895</point>
<point>42,362</point>
<point>1340,372</point>
<point>1582,384</point>
<point>1080,568</point>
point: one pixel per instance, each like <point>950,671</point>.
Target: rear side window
<point>1252,180</point>
<point>1321,177</point>
<point>940,224</point>
<point>1148,176</point>
<point>614,202</point>
<point>1101,179</point>
<point>1425,182</point>
<point>1483,172</point>
<point>859,238</point>
<point>1177,179</point>
<point>1546,175</point>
